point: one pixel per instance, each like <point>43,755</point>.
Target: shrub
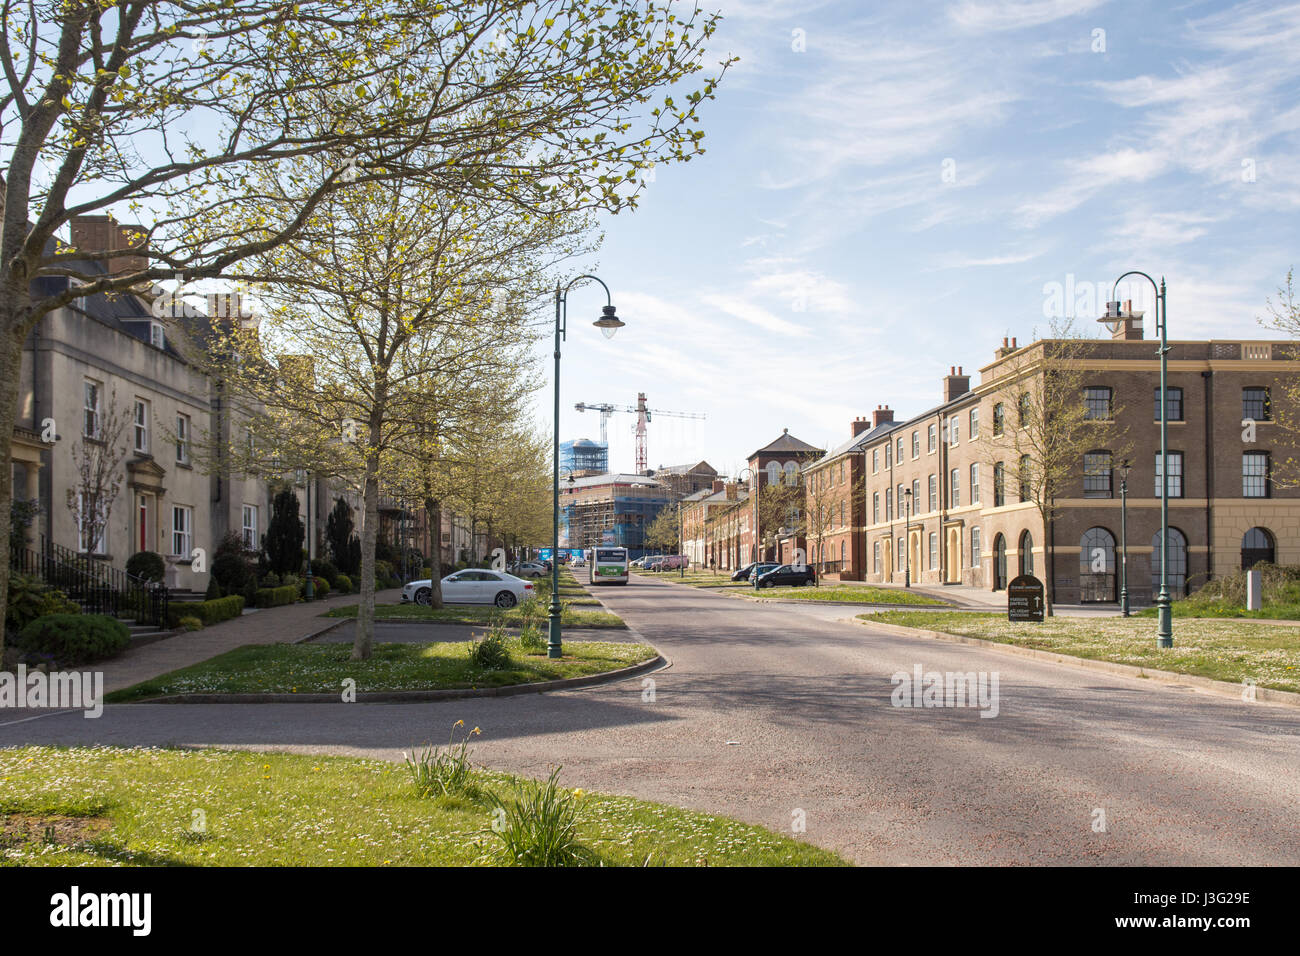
<point>214,589</point>
<point>271,580</point>
<point>232,572</point>
<point>29,599</point>
<point>276,597</point>
<point>320,587</point>
<point>208,612</point>
<point>320,568</point>
<point>343,584</point>
<point>493,652</point>
<point>290,580</point>
<point>190,624</point>
<point>530,636</point>
<point>383,571</point>
<point>75,638</point>
<point>540,827</point>
<point>437,772</point>
<point>147,565</point>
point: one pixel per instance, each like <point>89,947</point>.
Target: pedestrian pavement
<point>274,625</point>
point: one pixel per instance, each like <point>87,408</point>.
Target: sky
<point>890,188</point>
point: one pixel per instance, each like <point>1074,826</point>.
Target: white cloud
<point>1016,14</point>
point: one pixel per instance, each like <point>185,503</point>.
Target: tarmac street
<point>789,716</point>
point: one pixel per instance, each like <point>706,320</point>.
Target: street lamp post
<point>681,543</point>
<point>1112,319</point>
<point>608,323</point>
<point>1123,537</point>
<point>907,536</point>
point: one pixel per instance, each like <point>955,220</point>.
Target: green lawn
<point>699,579</point>
<point>1194,608</point>
<point>322,668</point>
<point>1223,650</point>
<point>851,594</point>
<point>106,806</point>
<point>476,614</point>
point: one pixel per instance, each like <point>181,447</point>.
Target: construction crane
<point>643,416</point>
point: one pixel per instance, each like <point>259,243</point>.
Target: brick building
<point>936,508</point>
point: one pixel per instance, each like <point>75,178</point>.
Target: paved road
<point>772,709</point>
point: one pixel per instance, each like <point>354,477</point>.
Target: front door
<point>954,556</point>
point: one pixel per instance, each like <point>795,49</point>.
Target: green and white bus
<point>607,566</point>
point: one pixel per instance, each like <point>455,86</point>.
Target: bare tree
<point>97,459</point>
<point>1044,428</point>
<point>1284,315</point>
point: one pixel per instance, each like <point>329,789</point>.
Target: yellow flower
<point>579,793</point>
<point>459,723</point>
<point>476,731</point>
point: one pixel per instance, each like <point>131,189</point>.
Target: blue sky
<point>906,189</point>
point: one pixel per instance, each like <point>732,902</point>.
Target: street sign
<point>1025,600</point>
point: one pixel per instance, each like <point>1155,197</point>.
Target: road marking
<point>10,723</point>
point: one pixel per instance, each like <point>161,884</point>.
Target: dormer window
<point>157,335</point>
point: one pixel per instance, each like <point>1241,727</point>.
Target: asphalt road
<point>779,713</point>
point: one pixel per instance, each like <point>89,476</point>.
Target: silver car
<point>471,586</point>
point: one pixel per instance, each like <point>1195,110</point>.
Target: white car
<point>471,586</point>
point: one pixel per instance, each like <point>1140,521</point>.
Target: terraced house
<point>948,496</point>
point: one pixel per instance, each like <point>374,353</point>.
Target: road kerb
<point>1220,688</point>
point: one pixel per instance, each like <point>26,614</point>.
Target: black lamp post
<point>907,536</point>
<point>1112,319</point>
<point>1123,536</point>
<point>608,323</point>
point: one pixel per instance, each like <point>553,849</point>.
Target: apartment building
<point>942,505</point>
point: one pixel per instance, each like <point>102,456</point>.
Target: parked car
<point>579,562</point>
<point>747,572</point>
<point>654,563</point>
<point>471,586</point>
<point>528,569</point>
<point>638,564</point>
<point>786,576</point>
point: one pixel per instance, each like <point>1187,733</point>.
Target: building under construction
<point>582,456</point>
<point>610,509</point>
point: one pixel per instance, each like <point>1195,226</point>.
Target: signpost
<point>1025,599</point>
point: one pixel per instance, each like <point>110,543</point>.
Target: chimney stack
<point>99,234</point>
<point>883,413</point>
<point>1130,325</point>
<point>955,384</point>
<point>718,485</point>
<point>859,426</point>
<point>1006,349</point>
<point>731,491</point>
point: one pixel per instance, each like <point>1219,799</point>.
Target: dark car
<point>760,567</point>
<point>786,576</point>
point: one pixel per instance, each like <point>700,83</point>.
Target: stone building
<point>939,509</point>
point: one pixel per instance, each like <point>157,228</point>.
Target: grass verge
<point>1221,650</point>
<point>851,594</point>
<point>152,807</point>
<point>472,614</point>
<point>322,669</point>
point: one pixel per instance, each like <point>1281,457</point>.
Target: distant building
<point>582,456</point>
<point>609,509</point>
<point>686,480</point>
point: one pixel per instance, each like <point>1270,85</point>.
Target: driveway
<point>775,714</point>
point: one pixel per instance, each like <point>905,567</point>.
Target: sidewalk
<point>275,625</point>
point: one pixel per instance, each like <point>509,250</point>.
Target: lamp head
<point>1113,317</point>
<point>608,323</point>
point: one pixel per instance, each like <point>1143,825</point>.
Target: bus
<point>607,566</point>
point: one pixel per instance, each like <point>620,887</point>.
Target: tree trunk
<point>10,369</point>
<point>433,514</point>
<point>365,636</point>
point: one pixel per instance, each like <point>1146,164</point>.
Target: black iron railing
<point>98,587</point>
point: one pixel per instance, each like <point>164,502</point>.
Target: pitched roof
<point>857,442</point>
<point>786,444</point>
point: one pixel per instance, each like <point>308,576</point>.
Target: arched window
<point>1256,546</point>
<point>999,563</point>
<point>1097,566</point>
<point>1177,547</point>
<point>791,473</point>
<point>1026,553</point>
<point>773,472</point>
<point>842,555</point>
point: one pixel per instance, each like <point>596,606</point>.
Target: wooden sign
<point>1025,599</point>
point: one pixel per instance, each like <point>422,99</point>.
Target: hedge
<point>277,597</point>
<point>73,639</point>
<point>209,612</point>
